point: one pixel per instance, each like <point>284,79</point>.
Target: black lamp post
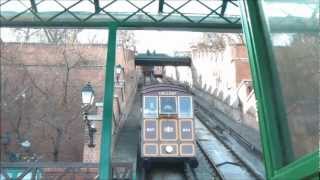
<point>118,72</point>
<point>87,95</point>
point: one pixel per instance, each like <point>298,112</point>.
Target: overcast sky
<point>161,41</point>
<point>165,41</point>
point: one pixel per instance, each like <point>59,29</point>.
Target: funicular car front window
<point>168,105</point>
<point>150,106</point>
<point>185,106</point>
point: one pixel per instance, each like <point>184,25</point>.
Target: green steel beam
<point>307,166</point>
<point>176,22</point>
<point>215,20</point>
<point>161,2</point>
<point>106,134</point>
<point>34,6</point>
<point>257,88</point>
<point>137,21</point>
<point>274,129</point>
<point>96,6</point>
<point>140,17</point>
<point>282,121</point>
<point>224,7</point>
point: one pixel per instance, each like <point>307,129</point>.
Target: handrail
<point>36,170</point>
<point>47,165</point>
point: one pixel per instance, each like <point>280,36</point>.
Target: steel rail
<point>211,163</point>
<point>250,170</point>
<point>170,170</point>
<point>190,174</point>
<point>233,133</point>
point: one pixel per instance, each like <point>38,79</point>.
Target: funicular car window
<point>168,105</point>
<point>185,106</point>
<point>150,108</point>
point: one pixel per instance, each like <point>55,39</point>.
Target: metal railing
<point>48,170</point>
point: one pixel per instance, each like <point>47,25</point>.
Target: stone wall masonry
<point>245,125</point>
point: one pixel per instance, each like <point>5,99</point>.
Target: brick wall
<point>124,92</point>
<point>242,71</point>
<point>44,64</point>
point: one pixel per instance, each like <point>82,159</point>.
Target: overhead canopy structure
<point>123,13</point>
<point>211,15</point>
<point>161,60</point>
<point>202,15</point>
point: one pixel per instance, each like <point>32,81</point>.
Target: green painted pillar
<point>161,2</point>
<point>274,129</point>
<point>106,134</point>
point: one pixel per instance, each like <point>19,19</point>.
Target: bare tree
<point>41,96</point>
<point>214,41</point>
<point>126,41</point>
<point>218,41</point>
<point>45,35</point>
<point>41,92</point>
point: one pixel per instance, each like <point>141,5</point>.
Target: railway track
<point>206,170</point>
<point>165,171</point>
<point>218,151</point>
<point>224,160</point>
<point>183,171</point>
<point>219,123</point>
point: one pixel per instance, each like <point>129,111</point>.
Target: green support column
<point>275,135</point>
<point>33,6</point>
<point>161,2</point>
<point>106,134</point>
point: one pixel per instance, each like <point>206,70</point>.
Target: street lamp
<point>118,68</point>
<point>26,146</point>
<point>118,72</point>
<point>87,95</point>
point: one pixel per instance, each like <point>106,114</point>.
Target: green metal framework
<point>167,14</point>
<point>106,134</point>
<point>139,14</point>
<point>216,15</point>
<point>274,130</point>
